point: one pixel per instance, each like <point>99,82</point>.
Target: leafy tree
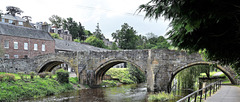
<point>1,13</point>
<point>136,74</point>
<point>210,25</point>
<point>56,36</point>
<point>56,20</point>
<point>98,32</point>
<point>125,37</point>
<point>13,10</point>
<point>77,30</point>
<point>114,46</point>
<point>27,18</point>
<point>94,41</point>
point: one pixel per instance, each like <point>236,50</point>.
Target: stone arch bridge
<point>160,66</point>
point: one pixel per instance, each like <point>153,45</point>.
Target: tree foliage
<point>212,25</point>
<point>76,29</point>
<point>56,20</point>
<point>56,36</point>
<point>94,41</point>
<point>114,46</point>
<point>98,32</point>
<point>13,10</point>
<point>125,37</point>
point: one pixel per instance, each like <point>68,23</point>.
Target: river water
<point>123,93</point>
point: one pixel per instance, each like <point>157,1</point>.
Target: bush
<point>21,74</point>
<point>9,77</point>
<point>32,74</point>
<point>49,74</point>
<point>43,75</point>
<point>1,77</point>
<point>160,96</point>
<point>62,76</point>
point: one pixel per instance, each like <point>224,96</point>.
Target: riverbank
<point>15,87</point>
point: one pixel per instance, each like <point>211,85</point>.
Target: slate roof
<point>65,45</point>
<point>20,31</point>
<point>17,18</point>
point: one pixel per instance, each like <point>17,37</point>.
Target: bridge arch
<point>224,70</point>
<point>104,67</point>
<point>50,64</point>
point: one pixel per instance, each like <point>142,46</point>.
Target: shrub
<point>9,77</point>
<point>161,96</point>
<point>43,75</point>
<point>49,74</point>
<point>32,74</point>
<point>21,74</point>
<point>62,76</point>
<point>1,77</point>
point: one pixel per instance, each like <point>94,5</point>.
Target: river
<point>123,93</point>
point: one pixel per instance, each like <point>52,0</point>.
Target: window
<point>3,20</point>
<point>25,46</point>
<point>6,56</point>
<point>20,23</point>
<point>15,56</point>
<point>10,21</point>
<point>6,44</point>
<point>35,47</point>
<point>15,45</point>
<point>43,47</point>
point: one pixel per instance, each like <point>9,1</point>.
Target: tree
<point>114,46</point>
<point>56,36</point>
<point>13,10</point>
<point>94,41</point>
<point>1,13</point>
<point>98,32</point>
<point>125,37</point>
<point>76,29</point>
<point>27,18</point>
<point>56,20</point>
<point>214,27</point>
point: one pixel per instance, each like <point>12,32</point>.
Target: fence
<point>213,87</point>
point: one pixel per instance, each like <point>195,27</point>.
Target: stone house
<point>24,42</point>
<point>64,34</point>
<point>15,20</point>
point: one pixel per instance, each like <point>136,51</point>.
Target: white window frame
<point>25,46</point>
<point>6,43</point>
<point>16,56</point>
<point>43,47</point>
<point>6,56</point>
<point>15,45</point>
<point>35,47</point>
<point>3,20</point>
<point>10,21</point>
<point>20,23</point>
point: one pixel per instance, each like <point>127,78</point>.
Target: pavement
<point>227,93</point>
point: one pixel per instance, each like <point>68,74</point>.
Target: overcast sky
<point>110,14</point>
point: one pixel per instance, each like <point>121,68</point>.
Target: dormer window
<point>3,20</point>
<point>10,21</point>
<point>20,23</point>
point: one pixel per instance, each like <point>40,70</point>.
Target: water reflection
<point>124,93</point>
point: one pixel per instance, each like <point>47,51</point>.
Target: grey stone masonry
<point>160,66</point>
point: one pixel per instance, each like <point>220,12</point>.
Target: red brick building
<point>23,42</point>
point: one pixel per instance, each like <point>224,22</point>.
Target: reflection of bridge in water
<point>160,66</point>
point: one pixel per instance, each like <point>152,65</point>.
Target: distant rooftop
<point>11,17</point>
<point>65,45</point>
<point>20,31</point>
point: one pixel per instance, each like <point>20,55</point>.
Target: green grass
<point>38,87</point>
<point>160,97</point>
<point>122,74</point>
<point>211,74</point>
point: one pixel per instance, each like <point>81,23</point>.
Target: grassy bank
<point>14,88</point>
